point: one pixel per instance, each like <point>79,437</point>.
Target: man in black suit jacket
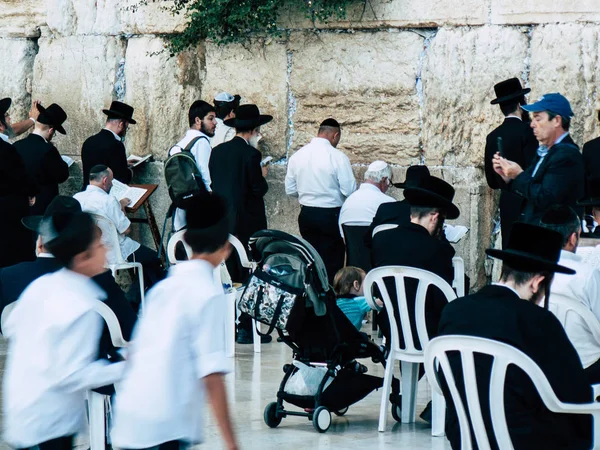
<point>237,176</point>
<point>518,144</point>
<point>106,148</point>
<point>508,313</point>
<point>42,161</point>
<point>557,177</point>
<point>591,159</point>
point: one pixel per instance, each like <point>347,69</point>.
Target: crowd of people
<point>52,261</point>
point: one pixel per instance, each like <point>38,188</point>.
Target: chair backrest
<point>114,328</point>
<point>5,313</point>
<point>110,239</point>
<point>242,253</point>
<point>459,276</point>
<point>357,253</point>
<point>385,226</point>
<point>503,356</point>
<point>171,245</point>
<point>399,275</point>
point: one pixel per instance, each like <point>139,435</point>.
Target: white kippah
<point>224,97</point>
<point>376,166</point>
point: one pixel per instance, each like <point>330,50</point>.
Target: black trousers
<point>319,226</point>
<point>63,443</point>
<point>153,272</point>
<point>593,373</point>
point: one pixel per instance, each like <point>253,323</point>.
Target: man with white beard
<point>237,175</point>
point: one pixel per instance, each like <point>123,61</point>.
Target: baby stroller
<point>290,292</point>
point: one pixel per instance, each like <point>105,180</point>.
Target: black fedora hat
<point>61,204</point>
<point>413,176</point>
<point>593,193</point>
<point>53,116</point>
<point>433,192</point>
<point>532,248</point>
<point>4,105</point>
<point>120,110</point>
<point>508,90</point>
<point>248,117</point>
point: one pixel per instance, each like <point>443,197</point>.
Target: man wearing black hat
<point>509,312</point>
<point>558,176</point>
<point>515,140</point>
<point>42,160</point>
<point>591,157</point>
<point>225,106</point>
<point>591,202</point>
<point>321,177</point>
<point>237,176</point>
<point>107,146</point>
<point>16,129</point>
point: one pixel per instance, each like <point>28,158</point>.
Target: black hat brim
<point>110,112</point>
<point>589,202</point>
<point>510,97</point>
<point>420,197</point>
<point>58,128</point>
<point>527,262</point>
<point>5,105</point>
<point>248,124</point>
<point>399,185</point>
<point>32,222</point>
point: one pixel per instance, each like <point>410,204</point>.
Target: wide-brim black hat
<point>532,248</point>
<point>120,110</point>
<point>61,204</point>
<point>413,176</point>
<point>435,193</point>
<point>248,117</point>
<point>53,116</point>
<point>508,90</point>
<point>4,105</point>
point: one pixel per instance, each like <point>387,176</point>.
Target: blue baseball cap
<point>554,102</point>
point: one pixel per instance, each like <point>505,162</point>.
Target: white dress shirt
<point>320,175</point>
<point>117,137</point>
<point>95,200</point>
<point>179,340</point>
<point>584,287</point>
<point>223,133</point>
<point>201,151</point>
<point>53,336</point>
<point>4,137</point>
<point>361,206</point>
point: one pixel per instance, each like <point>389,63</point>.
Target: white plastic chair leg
<point>410,379</point>
<point>97,420</point>
<point>256,337</point>
<point>141,281</point>
<point>385,391</point>
<point>438,417</point>
<point>230,325</point>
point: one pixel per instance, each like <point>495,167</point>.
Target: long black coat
<point>412,245</point>
<point>519,145</point>
<point>45,167</point>
<point>559,180</point>
<point>496,312</point>
<point>591,159</point>
<point>103,148</point>
<point>16,242</point>
<point>237,176</point>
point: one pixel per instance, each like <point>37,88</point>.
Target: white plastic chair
<point>5,313</point>
<point>409,357</point>
<point>459,276</point>
<point>504,355</point>
<point>115,260</point>
<point>173,240</point>
<point>385,226</point>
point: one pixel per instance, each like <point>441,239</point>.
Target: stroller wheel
<point>341,412</point>
<point>272,419</point>
<point>397,412</point>
<point>321,419</point>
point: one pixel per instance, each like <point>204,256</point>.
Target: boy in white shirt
<point>53,334</point>
<point>178,346</point>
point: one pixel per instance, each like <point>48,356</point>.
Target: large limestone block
<point>17,75</point>
<point>161,89</point>
<point>460,69</point>
<point>21,18</point>
<point>565,58</point>
<point>79,73</point>
<point>69,17</point>
<point>257,72</point>
<point>534,11</point>
<point>367,81</point>
<point>155,17</point>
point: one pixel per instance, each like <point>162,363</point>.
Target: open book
<point>121,190</point>
<point>455,233</point>
<point>135,160</point>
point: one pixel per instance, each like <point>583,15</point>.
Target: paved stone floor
<point>254,384</point>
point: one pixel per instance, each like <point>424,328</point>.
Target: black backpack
<point>183,176</point>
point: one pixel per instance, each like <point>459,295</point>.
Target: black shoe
<point>426,414</point>
<point>245,337</point>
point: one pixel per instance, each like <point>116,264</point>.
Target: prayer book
<point>68,160</point>
<point>121,190</point>
<point>455,233</point>
<point>266,161</point>
<point>135,160</point>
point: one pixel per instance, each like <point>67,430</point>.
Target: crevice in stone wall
<point>291,105</point>
<point>428,36</point>
<point>489,8</point>
<point>527,68</point>
<point>120,86</point>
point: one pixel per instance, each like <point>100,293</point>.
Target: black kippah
<point>330,123</point>
<point>559,215</point>
<point>98,168</point>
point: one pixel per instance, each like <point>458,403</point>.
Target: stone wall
<point>410,81</point>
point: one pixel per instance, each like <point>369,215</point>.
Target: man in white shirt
<point>361,206</point>
<point>321,177</point>
<point>160,403</point>
<point>202,119</point>
<point>225,105</point>
<point>583,287</point>
<point>53,334</point>
<point>97,200</point>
